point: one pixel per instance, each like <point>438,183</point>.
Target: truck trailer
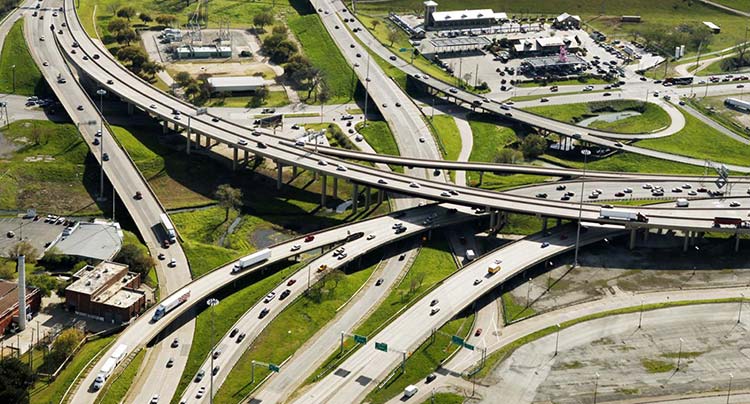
<point>119,353</point>
<point>169,228</point>
<point>104,373</point>
<point>170,303</point>
<point>617,214</point>
<point>254,258</point>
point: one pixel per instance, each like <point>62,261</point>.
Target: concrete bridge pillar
<point>355,197</point>
<point>187,142</point>
<point>685,242</point>
<point>244,160</point>
<point>380,196</point>
<point>208,142</point>
<point>234,158</point>
<point>197,140</point>
<point>164,127</point>
<point>323,190</point>
<point>736,242</point>
<point>481,177</point>
<point>645,235</point>
<point>130,109</point>
<point>367,198</point>
<point>279,167</point>
<point>492,220</point>
<point>633,233</point>
<point>335,187</point>
<point>544,224</point>
<point>294,171</point>
<point>558,222</point>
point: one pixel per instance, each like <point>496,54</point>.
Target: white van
<point>410,390</point>
<point>682,203</point>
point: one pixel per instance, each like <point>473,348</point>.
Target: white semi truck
<point>170,303</point>
<point>109,365</point>
<point>168,227</point>
<point>617,214</point>
<point>254,258</point>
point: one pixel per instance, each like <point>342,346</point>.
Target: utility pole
<point>13,70</point>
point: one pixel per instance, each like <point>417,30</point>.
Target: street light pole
<point>596,386</point>
<point>13,70</point>
<point>367,88</point>
<point>679,354</point>
<point>729,391</point>
<point>212,302</point>
<point>557,339</point>
<point>101,92</point>
<point>739,314</point>
<point>640,316</point>
<point>586,153</point>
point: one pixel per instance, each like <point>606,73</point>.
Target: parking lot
<point>38,233</point>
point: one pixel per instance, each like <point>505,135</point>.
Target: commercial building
<point>554,65</point>
<point>106,292</point>
<point>9,303</point>
<point>738,104</point>
<point>546,46</point>
<point>459,19</point>
<point>567,21</point>
<point>203,52</point>
<point>241,84</point>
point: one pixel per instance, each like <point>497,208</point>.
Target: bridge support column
<point>367,198</point>
<point>558,222</point>
<point>380,196</point>
<point>234,158</point>
<point>164,127</point>
<point>323,190</point>
<point>279,167</point>
<point>633,233</point>
<point>187,142</point>
<point>737,242</point>
<point>208,142</point>
<point>544,224</point>
<point>645,235</point>
<point>355,197</point>
<point>130,109</point>
<point>244,160</point>
<point>492,220</point>
<point>685,242</point>
<point>197,140</point>
<point>335,187</point>
<point>294,171</point>
<point>481,177</point>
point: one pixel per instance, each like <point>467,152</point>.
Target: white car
<point>201,392</point>
<point>628,190</point>
<point>322,163</point>
<point>242,142</point>
<point>648,186</point>
<point>269,297</point>
<point>340,168</point>
<point>172,263</point>
<point>446,194</point>
<point>296,247</point>
<point>154,399</point>
<point>371,236</point>
<point>414,185</point>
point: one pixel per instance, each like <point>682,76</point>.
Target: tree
<point>64,346</point>
<point>508,156</point>
<point>117,24</point>
<point>283,51</point>
<point>126,12</point>
<point>44,282</point>
<point>258,98</point>
<point>15,379</point>
<point>150,68</point>
<point>145,17</point>
<point>533,145</point>
<point>263,19</point>
<point>183,78</point>
<point>166,19</point>
<point>229,198</point>
<point>125,36</point>
<point>375,24</point>
<point>136,258</point>
<point>393,36</point>
<point>23,248</point>
<point>135,55</point>
<point>113,7</point>
<point>324,92</point>
<point>279,30</point>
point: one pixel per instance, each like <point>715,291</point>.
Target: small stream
<point>609,117</point>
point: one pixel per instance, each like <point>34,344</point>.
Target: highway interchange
<point>113,77</point>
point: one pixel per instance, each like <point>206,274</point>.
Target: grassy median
<point>652,117</point>
<point>28,78</point>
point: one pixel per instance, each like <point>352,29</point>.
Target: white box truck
<point>470,255</point>
<point>410,390</point>
<point>119,353</point>
<point>104,373</point>
<point>168,227</point>
<point>254,258</point>
<point>617,214</point>
<point>170,303</point>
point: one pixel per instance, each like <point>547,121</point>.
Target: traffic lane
<point>359,372</point>
<point>303,279</point>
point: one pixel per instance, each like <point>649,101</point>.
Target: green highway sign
<point>381,346</point>
<point>468,346</point>
<point>457,340</point>
<point>360,339</point>
<point>274,368</point>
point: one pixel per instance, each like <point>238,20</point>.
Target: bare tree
<point>229,198</point>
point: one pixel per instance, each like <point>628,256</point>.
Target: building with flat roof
<point>106,292</point>
<point>203,52</point>
<point>100,240</point>
<point>713,27</point>
<point>236,84</point>
<point>459,19</point>
<point>9,303</point>
<point>546,45</point>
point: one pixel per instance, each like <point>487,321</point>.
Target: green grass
<point>520,224</point>
<point>448,136</point>
<point>323,53</point>
<point>65,186</point>
<point>513,311</point>
<point>741,5</point>
<point>289,331</point>
<point>719,113</point>
<point>700,141</point>
<point>683,354</point>
<point>274,99</point>
<point>652,116</point>
<point>379,136</point>
<point>657,366</point>
<point>425,360</point>
<point>233,304</point>
<point>533,97</point>
<point>503,353</point>
<point>444,398</point>
<point>52,393</point>
<point>117,389</point>
<point>28,78</point>
<point>629,162</point>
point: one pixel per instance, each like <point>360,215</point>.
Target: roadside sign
<point>402,50</point>
<point>469,346</point>
<point>360,339</point>
<point>273,368</point>
<point>457,340</point>
<point>381,346</point>
<point>720,182</point>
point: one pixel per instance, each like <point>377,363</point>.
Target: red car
<point>309,238</point>
<point>291,282</point>
<point>138,195</point>
<point>478,332</point>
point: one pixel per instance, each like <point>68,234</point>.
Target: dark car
<point>430,378</point>
<point>234,332</point>
<point>199,376</point>
<point>284,294</point>
<point>264,312</point>
<point>240,337</point>
<point>379,282</point>
<point>138,195</point>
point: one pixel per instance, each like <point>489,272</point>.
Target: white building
<point>236,84</point>
<point>459,19</point>
<point>567,21</point>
